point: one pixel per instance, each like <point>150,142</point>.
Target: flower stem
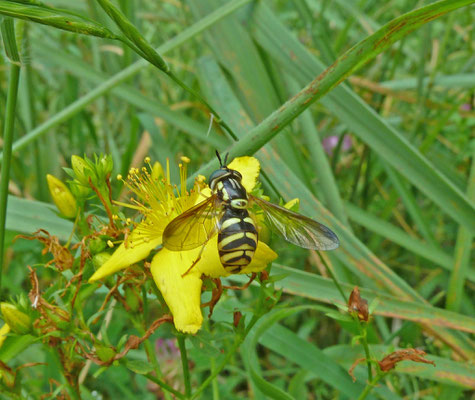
<point>370,386</point>
<point>185,365</point>
<point>364,342</point>
<point>237,342</point>
<point>163,385</point>
<point>152,356</point>
<point>215,382</point>
<point>362,329</point>
<point>8,34</point>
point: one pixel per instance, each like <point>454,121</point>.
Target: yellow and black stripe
<point>237,239</point>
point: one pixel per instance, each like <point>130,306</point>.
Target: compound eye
<point>237,174</point>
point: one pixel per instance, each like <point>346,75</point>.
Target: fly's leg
<point>194,262</point>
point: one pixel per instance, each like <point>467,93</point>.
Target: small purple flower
<point>330,142</point>
<point>466,107</point>
<point>167,348</point>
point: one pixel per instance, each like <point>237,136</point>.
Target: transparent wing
<point>194,227</point>
<point>296,228</point>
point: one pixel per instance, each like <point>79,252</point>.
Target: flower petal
<point>182,294</point>
<point>249,168</point>
<point>210,264</point>
<point>137,247</point>
<point>263,256</point>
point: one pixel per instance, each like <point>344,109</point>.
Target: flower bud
<point>18,321</point>
<point>358,305</point>
<point>96,245</point>
<point>157,171</point>
<point>3,333</point>
<point>62,197</point>
<point>104,167</point>
<point>80,192</point>
<point>237,318</point>
<point>82,169</point>
<point>105,353</point>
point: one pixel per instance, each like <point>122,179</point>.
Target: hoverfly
<point>226,212</point>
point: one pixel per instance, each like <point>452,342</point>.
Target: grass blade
<point>396,235</point>
<point>463,247</point>
<point>123,75</point>
<point>27,216</point>
<point>129,94</point>
<point>59,19</point>
<point>9,40</point>
<point>407,160</point>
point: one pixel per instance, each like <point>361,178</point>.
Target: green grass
<point>136,79</point>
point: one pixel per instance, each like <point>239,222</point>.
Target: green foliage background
<point>400,198</point>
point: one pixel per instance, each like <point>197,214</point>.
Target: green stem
<point>215,382</point>
<point>462,251</point>
<point>364,342</point>
<point>184,363</point>
<point>72,391</point>
<point>163,385</point>
<point>7,154</point>
<point>362,329</point>
<point>152,357</point>
<point>370,386</point>
<point>237,342</point>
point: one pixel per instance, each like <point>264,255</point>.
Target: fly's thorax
<point>232,192</point>
<point>226,183</point>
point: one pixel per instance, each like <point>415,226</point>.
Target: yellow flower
<point>160,203</point>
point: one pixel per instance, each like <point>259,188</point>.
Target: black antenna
<point>226,159</point>
<point>219,158</point>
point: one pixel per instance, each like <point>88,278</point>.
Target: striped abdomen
<point>237,239</point>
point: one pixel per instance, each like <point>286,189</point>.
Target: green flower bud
<point>105,353</point>
<point>104,166</point>
<point>62,197</point>
<point>79,190</point>
<point>83,170</point>
<point>18,321</point>
<point>96,245</point>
